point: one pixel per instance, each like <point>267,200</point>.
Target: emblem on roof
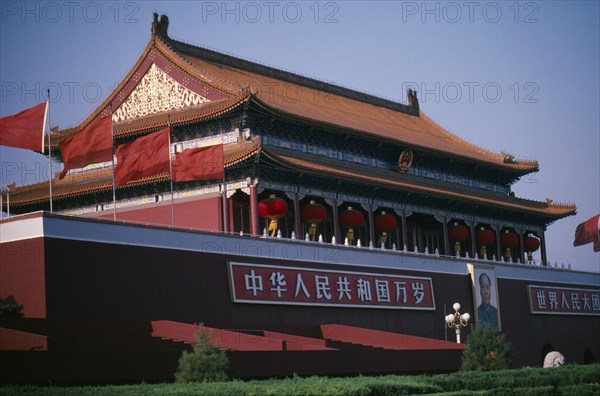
<point>405,161</point>
<point>156,92</point>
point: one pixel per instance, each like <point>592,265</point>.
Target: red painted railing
<point>225,339</point>
<point>383,339</point>
<point>15,340</point>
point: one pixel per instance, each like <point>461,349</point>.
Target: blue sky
<point>519,77</point>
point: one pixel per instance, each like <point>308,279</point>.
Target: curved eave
<point>393,180</point>
<point>518,168</point>
<point>521,167</point>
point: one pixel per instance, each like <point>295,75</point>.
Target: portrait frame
<point>476,271</point>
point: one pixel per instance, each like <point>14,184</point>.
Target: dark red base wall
<point>86,280</point>
<point>203,214</point>
<point>571,335</point>
<point>114,367</point>
<point>95,281</point>
<point>22,276</point>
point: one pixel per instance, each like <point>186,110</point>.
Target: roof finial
<point>160,26</point>
<point>413,102</point>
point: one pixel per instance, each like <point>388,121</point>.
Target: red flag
<point>146,156</point>
<point>588,231</point>
<point>203,163</point>
<point>91,145</point>
<point>25,129</point>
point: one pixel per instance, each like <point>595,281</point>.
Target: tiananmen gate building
<point>332,237</point>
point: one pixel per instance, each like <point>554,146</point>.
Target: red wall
<point>95,281</point>
<point>78,280</point>
<point>571,335</point>
<point>22,276</point>
<point>202,214</point>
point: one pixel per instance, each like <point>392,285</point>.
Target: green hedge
<point>567,380</point>
<point>522,378</point>
<point>579,390</point>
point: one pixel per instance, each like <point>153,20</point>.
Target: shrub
<point>486,350</point>
<point>205,363</point>
<point>10,310</point>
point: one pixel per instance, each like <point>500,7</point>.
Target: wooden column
<point>231,212</point>
<point>543,249</point>
<point>444,221</point>
<point>521,247</point>
<point>297,221</point>
<point>472,235</point>
<point>404,231</point>
<point>446,239</point>
<point>253,211</point>
<point>225,209</point>
<point>371,225</point>
<point>336,222</point>
<point>498,243</point>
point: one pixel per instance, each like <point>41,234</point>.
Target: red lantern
<point>509,240</point>
<point>385,222</point>
<point>351,218</point>
<point>458,233</point>
<point>484,237</point>
<point>272,207</point>
<point>313,213</point>
<point>531,243</point>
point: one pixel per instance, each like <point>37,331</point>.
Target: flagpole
<point>47,125</point>
<point>114,195</point>
<point>225,217</point>
<point>8,203</point>
<point>171,173</point>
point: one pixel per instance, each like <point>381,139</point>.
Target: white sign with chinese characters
<point>563,301</point>
<point>268,284</point>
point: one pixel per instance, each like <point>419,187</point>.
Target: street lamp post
<point>456,320</point>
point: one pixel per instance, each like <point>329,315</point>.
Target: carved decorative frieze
<point>156,92</point>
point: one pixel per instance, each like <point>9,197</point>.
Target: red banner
<point>202,163</point>
<point>90,145</point>
<point>25,129</point>
<point>588,231</point>
<point>145,156</point>
<point>266,284</point>
<point>563,301</point>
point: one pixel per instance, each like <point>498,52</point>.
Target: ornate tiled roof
<point>294,96</point>
<point>332,106</point>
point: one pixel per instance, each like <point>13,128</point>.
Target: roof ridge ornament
<point>160,26</point>
<point>413,102</point>
<point>551,203</point>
